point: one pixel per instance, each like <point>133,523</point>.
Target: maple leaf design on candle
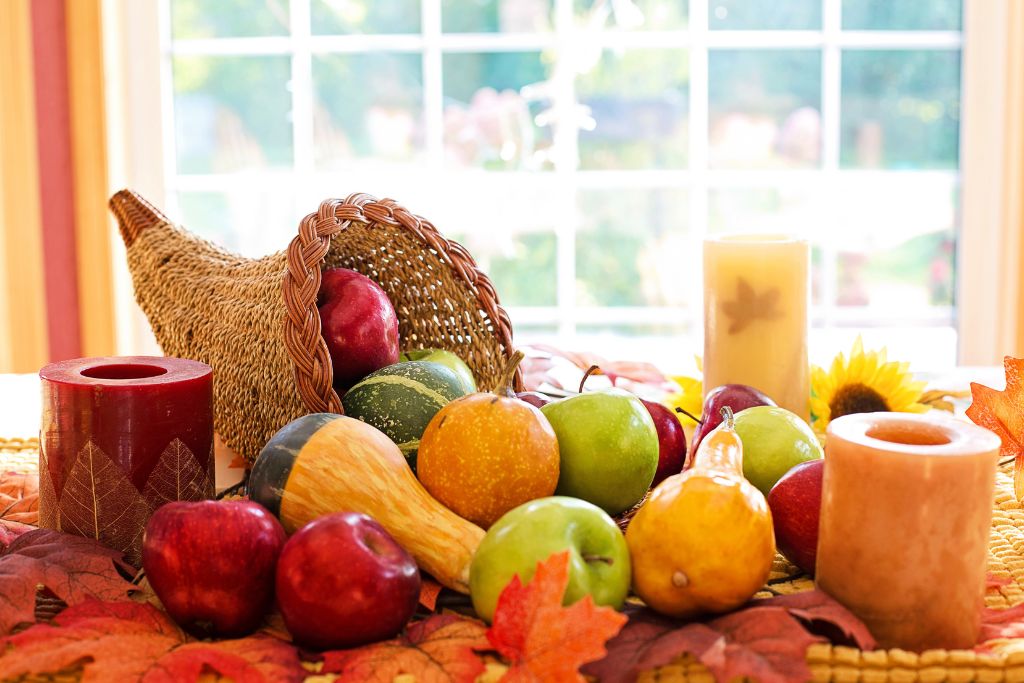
<point>749,306</point>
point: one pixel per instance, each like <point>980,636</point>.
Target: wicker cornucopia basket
<point>256,323</point>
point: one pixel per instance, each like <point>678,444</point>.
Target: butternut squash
<point>326,463</point>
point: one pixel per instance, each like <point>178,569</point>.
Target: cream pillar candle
<point>905,521</point>
<point>755,316</point>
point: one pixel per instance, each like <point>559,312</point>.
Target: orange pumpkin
<point>485,453</point>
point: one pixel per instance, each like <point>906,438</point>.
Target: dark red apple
<point>671,441</point>
<point>534,398</point>
<point>212,563</point>
<point>736,396</point>
<point>359,325</point>
<point>795,502</point>
<point>343,581</point>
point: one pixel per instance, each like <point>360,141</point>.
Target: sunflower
<point>867,383</point>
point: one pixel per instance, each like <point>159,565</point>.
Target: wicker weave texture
<point>255,321</point>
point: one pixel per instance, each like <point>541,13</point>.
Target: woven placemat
<point>829,663</point>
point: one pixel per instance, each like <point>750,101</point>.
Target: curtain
<point>56,298</point>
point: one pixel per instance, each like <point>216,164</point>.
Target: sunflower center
<point>856,398</point>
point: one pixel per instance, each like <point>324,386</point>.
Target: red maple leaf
<point>766,641</point>
<point>441,649</point>
<point>73,568</point>
<point>1001,623</point>
<point>19,497</point>
<point>541,639</point>
<point>1003,413</point>
<point>130,641</point>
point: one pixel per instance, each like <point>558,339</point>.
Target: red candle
<point>119,438</point>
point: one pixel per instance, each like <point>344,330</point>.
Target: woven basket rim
<point>307,252</point>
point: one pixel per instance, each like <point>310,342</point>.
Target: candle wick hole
<point>123,371</point>
<point>910,434</point>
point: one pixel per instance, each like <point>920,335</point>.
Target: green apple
<point>774,442</point>
<point>447,359</point>
<point>533,532</point>
<point>608,448</point>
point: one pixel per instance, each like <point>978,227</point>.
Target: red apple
<point>671,441</point>
<point>359,325</point>
<point>795,502</point>
<point>343,581</point>
<point>736,396</point>
<point>534,398</point>
<point>212,563</point>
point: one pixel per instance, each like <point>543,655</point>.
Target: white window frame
<point>137,50</point>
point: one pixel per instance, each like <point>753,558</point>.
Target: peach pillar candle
<point>906,513</point>
<point>755,316</point>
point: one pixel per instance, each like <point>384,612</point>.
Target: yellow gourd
<point>325,463</point>
<point>703,542</point>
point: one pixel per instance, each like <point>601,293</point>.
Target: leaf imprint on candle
<point>749,306</point>
<point>177,476</point>
<point>100,502</point>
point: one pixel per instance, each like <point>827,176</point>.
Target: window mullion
<point>831,99</point>
<point>565,148</point>
<point>433,82</point>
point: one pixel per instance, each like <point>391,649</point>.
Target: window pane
<point>492,16</point>
<point>249,223</point>
<point>488,123</point>
<point>630,247</point>
<point>648,15</point>
<point>639,103</point>
<point>756,14</point>
<point>895,241</point>
<point>515,247</point>
<point>901,109</point>
<point>357,117</point>
<point>228,18</point>
<point>364,16</point>
<point>232,113</point>
<point>912,15</point>
<point>764,108</point>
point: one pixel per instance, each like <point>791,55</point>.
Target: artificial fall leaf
<point>19,497</point>
<point>1000,624</point>
<point>11,530</point>
<point>441,649</point>
<point>1003,413</point>
<point>99,501</point>
<point>766,641</point>
<point>824,616</point>
<point>135,642</point>
<point>750,306</point>
<point>429,591</point>
<point>542,640</point>
<point>74,569</point>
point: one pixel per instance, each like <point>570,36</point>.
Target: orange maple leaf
<point>129,641</point>
<point>1003,413</point>
<point>19,497</point>
<point>441,649</point>
<point>541,639</point>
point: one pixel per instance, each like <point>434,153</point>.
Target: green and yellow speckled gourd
<point>325,463</point>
